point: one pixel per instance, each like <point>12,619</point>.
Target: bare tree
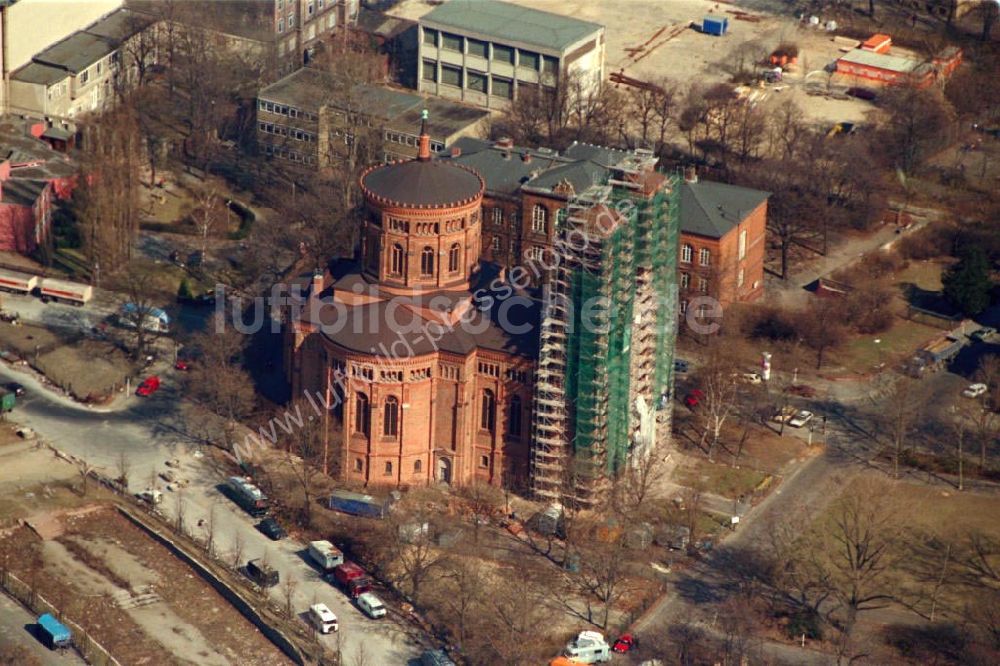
<point>288,587</point>
<point>124,467</point>
<point>602,580</point>
<point>237,551</point>
<point>900,416</point>
<point>210,216</point>
<point>84,469</point>
<point>461,597</point>
<point>719,383</point>
<point>138,287</point>
<point>484,501</point>
<point>822,327</point>
<point>180,509</point>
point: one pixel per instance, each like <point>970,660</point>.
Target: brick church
<point>431,384</point>
<point>443,366</point>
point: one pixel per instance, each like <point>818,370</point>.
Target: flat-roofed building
<point>484,51</point>
<point>306,118</point>
<point>80,73</point>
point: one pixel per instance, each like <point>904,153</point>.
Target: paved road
<point>14,630</point>
<point>154,430</point>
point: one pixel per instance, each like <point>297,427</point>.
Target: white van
<point>371,605</point>
<point>323,618</point>
<point>589,648</point>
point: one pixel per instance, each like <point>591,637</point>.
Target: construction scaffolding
<point>607,334</point>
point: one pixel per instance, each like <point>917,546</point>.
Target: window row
<point>450,75</point>
<point>291,155</point>
<point>702,282</point>
<point>390,415</point>
<point>687,255</point>
<point>397,260</point>
<point>481,49</point>
<point>283,110</point>
<point>281,130</point>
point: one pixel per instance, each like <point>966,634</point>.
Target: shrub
<point>771,323</point>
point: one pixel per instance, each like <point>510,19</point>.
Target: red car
<point>624,644</point>
<point>182,365</point>
<point>803,390</point>
<point>694,398</point>
<point>148,387</point>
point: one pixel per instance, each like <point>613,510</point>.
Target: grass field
<point>862,355</point>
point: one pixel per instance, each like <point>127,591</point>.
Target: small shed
<point>715,25</point>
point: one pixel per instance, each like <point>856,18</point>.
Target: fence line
<point>92,651</point>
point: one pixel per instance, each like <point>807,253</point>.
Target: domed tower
<point>421,230</point>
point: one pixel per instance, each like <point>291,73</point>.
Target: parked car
<point>694,398</point>
<point>270,528</point>
<point>862,93</point>
<point>750,378</point>
<point>323,618</point>
<point>148,387</point>
<point>975,390</point>
<point>182,365</point>
<point>15,388</point>
<point>150,495</point>
<point>802,390</point>
<point>435,658</point>
<point>681,366</point>
<point>624,644</point>
<point>785,415</point>
<point>983,334</point>
<point>371,605</point>
<point>801,418</point>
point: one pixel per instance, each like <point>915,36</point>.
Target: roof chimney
<point>526,156</point>
<point>505,142</point>
<point>424,153</point>
<point>691,174</point>
<point>317,284</point>
<point>456,151</point>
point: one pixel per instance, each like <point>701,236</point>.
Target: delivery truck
<point>326,556</point>
<point>17,283</point>
<point>62,291</point>
<point>154,320</point>
<point>247,495</point>
<point>351,578</point>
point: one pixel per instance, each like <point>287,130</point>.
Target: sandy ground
<point>694,58</point>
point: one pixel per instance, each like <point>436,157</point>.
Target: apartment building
<point>303,118</point>
<point>483,51</point>
<point>30,26</point>
<point>80,73</point>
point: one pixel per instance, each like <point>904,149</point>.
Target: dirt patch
<point>89,369</point>
<point>141,603</point>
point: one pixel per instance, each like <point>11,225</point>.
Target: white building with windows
<point>484,51</point>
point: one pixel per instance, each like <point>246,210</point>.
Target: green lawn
<point>863,354</point>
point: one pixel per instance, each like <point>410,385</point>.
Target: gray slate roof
<point>713,209</point>
<point>120,24</point>
<point>38,73</point>
<point>76,53</point>
<point>508,23</point>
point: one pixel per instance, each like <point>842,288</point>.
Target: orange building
<point>723,241</point>
<point>411,343</point>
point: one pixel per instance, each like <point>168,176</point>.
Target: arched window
<point>454,257</point>
<point>539,219</point>
<point>418,466</point>
<point>398,259</point>
<point>390,417</point>
<point>362,414</point>
<point>488,418</point>
<point>687,252</point>
<point>514,422</point>
<point>427,261</point>
<point>704,256</point>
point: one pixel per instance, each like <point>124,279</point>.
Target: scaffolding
<point>607,334</point>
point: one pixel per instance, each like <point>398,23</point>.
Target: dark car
<point>15,388</point>
<point>270,528</point>
<point>802,390</point>
<point>681,366</point>
<point>862,93</point>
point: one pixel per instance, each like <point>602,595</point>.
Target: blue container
<point>53,632</point>
<point>712,25</point>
